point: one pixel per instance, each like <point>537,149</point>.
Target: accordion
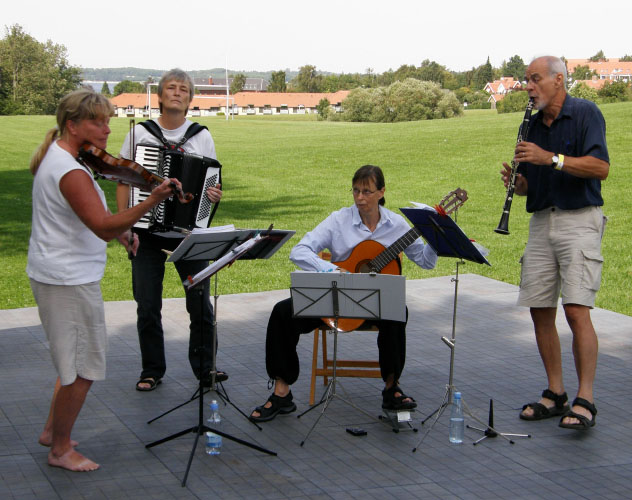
<point>196,173</point>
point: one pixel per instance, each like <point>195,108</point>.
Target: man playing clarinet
<point>175,91</point>
<point>562,163</point>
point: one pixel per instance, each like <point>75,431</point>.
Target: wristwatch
<point>557,162</point>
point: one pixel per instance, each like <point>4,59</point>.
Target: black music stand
<point>448,240</point>
<point>224,247</point>
<point>345,295</point>
<point>217,244</point>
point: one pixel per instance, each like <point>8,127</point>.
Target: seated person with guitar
<point>344,233</point>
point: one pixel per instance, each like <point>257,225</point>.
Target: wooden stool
<point>344,367</point>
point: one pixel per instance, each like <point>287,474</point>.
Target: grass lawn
<point>293,171</point>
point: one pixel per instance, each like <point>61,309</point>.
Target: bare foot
<point>46,439</point>
<point>72,460</point>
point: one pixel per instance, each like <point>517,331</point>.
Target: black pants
<point>148,271</point>
<point>284,332</point>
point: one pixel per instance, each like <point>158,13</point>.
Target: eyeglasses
<point>365,192</point>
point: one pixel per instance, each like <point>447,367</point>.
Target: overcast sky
<point>338,36</point>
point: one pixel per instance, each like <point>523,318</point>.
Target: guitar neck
<point>391,253</point>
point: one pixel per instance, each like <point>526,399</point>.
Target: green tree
<point>34,76</point>
<point>583,91</point>
<point>323,108</point>
<point>515,68</point>
<point>484,74</point>
<point>369,78</point>
<point>583,72</point>
<point>599,56</point>
<point>625,58</point>
<point>307,80</point>
<point>128,87</point>
<point>431,71</point>
<point>238,83</point>
<point>405,71</point>
<point>513,102</point>
<point>105,89</point>
<point>277,82</point>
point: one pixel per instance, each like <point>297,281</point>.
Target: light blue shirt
<point>344,229</point>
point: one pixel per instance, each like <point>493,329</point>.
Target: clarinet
<point>522,134</point>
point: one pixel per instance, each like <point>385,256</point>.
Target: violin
<point>123,170</point>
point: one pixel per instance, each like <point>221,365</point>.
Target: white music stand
<point>346,295</point>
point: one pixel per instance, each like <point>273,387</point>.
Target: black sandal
<point>541,411</point>
<point>151,381</point>
<point>220,376</point>
<point>282,405</point>
<point>584,423</point>
<point>395,403</point>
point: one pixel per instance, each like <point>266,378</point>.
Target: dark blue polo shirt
<point>579,130</point>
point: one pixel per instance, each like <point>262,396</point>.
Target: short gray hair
<point>179,76</point>
<point>555,65</point>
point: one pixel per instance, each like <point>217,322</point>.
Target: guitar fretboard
<point>391,253</point>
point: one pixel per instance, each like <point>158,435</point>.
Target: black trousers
<point>148,270</point>
<point>284,332</point>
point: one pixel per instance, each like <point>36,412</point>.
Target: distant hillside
<point>142,74</point>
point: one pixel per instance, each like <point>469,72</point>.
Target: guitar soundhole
<point>364,267</point>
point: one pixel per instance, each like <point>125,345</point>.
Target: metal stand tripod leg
<point>450,388</point>
<point>447,396</point>
<point>223,394</point>
<point>330,392</point>
<point>200,428</point>
<point>490,432</point>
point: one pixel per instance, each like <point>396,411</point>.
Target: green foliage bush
<point>128,87</point>
<point>513,102</point>
<point>323,108</point>
<point>408,100</point>
<point>475,99</point>
<point>583,91</point>
<point>618,91</point>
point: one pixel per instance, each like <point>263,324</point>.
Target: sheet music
<point>215,229</point>
<point>422,206</point>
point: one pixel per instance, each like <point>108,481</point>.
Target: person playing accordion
<point>175,91</point>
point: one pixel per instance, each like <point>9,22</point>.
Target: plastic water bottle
<point>214,441</point>
<point>457,422</point>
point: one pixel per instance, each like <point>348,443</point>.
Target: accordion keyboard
<point>149,157</point>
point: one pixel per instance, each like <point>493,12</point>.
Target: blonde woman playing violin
<point>66,260</point>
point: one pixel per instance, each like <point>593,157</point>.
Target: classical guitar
<point>369,256</point>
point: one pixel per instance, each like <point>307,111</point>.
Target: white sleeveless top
<point>62,249</point>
